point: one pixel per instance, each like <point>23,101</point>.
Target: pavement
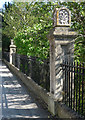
<point>16,102</point>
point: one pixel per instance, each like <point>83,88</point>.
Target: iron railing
<point>73,78</point>
<point>32,67</point>
<point>37,70</point>
<point>5,55</point>
<point>74,86</point>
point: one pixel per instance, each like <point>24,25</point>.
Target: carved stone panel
<point>62,17</point>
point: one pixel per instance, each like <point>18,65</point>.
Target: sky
<point>3,1</point>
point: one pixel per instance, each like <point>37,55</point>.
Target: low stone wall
<point>65,112</point>
<point>56,108</point>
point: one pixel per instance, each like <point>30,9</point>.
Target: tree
<point>32,39</point>
<point>29,23</point>
<point>5,37</point>
<point>78,24</point>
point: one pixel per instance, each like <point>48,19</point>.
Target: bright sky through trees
<point>3,1</point>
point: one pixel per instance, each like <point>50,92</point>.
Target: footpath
<point>16,102</point>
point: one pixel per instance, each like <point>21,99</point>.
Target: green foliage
<point>78,24</point>
<point>5,43</point>
<point>5,37</point>
<point>80,49</point>
<point>29,24</point>
<point>32,40</point>
<point>13,19</point>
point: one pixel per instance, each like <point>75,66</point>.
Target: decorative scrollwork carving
<point>63,17</point>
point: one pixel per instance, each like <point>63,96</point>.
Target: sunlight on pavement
<point>16,101</point>
<point>0,90</point>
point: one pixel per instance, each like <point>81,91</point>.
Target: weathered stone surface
<point>66,112</point>
<point>17,101</point>
<point>47,97</point>
<point>12,52</point>
<point>55,107</point>
<point>61,48</point>
<point>62,17</point>
<point>61,39</point>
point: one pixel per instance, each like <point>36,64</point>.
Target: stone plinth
<point>12,52</point>
<point>61,48</point>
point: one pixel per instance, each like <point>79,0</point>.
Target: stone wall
<point>55,107</point>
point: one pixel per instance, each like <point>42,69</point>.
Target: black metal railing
<point>74,86</point>
<point>73,78</point>
<point>5,55</point>
<point>37,70</point>
<point>32,67</point>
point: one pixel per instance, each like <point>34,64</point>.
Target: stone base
<point>55,107</point>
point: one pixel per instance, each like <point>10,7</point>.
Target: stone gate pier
<point>61,39</point>
<point>12,52</point>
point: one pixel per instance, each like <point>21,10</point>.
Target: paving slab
<point>16,101</point>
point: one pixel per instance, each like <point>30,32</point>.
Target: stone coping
<point>55,107</point>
